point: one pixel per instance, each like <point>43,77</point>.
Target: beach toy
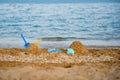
<point>26,43</point>
<point>57,50</point>
<point>70,51</point>
<point>37,42</point>
<point>53,50</point>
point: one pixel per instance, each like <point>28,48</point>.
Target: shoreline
<point>87,46</point>
<point>62,44</point>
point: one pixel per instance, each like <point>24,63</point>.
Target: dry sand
<point>37,64</point>
<point>82,71</point>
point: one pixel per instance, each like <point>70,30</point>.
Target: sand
<point>36,63</point>
<point>83,71</point>
<point>79,48</point>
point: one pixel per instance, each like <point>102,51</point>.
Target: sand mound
<point>79,47</point>
<point>33,49</point>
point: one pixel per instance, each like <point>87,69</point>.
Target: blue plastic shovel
<point>26,43</point>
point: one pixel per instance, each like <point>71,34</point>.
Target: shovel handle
<point>23,38</point>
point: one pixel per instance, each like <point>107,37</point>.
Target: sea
<point>58,25</point>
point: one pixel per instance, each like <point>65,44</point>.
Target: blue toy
<point>26,43</point>
<point>70,51</point>
<point>53,50</point>
<point>57,50</point>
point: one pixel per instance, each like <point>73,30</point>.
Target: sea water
<point>91,23</point>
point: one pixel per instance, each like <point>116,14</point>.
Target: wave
<point>75,38</point>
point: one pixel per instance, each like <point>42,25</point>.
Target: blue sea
<point>59,24</point>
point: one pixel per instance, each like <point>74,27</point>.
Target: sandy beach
<point>59,39</point>
<point>36,63</point>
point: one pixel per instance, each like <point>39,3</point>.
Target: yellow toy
<point>37,42</point>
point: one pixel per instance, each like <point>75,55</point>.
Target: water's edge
<point>62,44</point>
